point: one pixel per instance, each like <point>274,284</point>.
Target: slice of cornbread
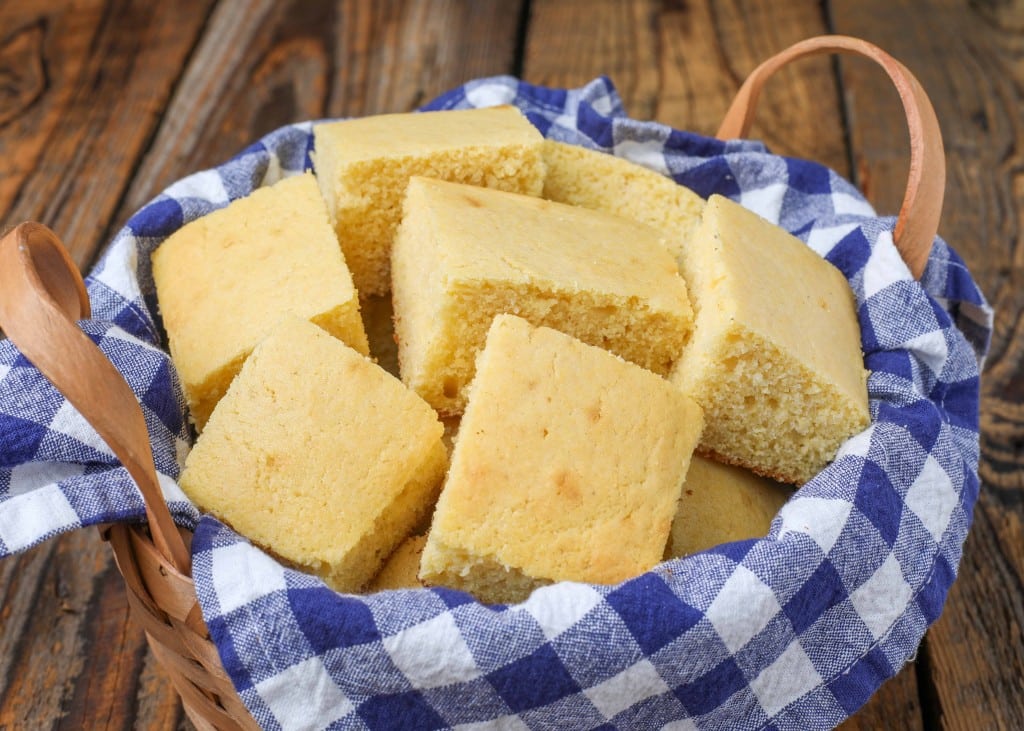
<point>401,569</point>
<point>603,182</point>
<point>775,359</point>
<point>465,254</point>
<point>223,280</point>
<point>364,164</point>
<point>318,455</point>
<point>568,466</point>
<point>721,503</point>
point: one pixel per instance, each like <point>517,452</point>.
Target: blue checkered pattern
<point>792,631</point>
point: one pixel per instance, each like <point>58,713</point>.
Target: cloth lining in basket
<point>793,631</point>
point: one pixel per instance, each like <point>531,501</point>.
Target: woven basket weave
<point>163,601</point>
<point>41,295</point>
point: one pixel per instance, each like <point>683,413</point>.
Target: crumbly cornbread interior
<point>401,569</point>
<point>775,359</point>
<point>363,166</point>
<point>465,254</point>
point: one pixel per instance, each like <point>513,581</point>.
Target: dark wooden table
<point>102,104</point>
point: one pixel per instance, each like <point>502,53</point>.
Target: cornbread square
<point>318,455</point>
<point>401,569</point>
<point>603,182</point>
<point>465,254</point>
<point>722,503</point>
<point>225,279</point>
<point>775,360</point>
<point>568,466</point>
<point>364,164</point>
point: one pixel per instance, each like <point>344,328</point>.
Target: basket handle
<point>918,220</point>
<point>41,296</point>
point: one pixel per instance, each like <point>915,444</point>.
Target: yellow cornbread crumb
<point>603,182</point>
<point>775,359</point>
<point>465,254</point>
<point>318,455</point>
<point>364,164</point>
<point>721,503</point>
<point>223,280</point>
<point>401,568</point>
<point>567,466</point>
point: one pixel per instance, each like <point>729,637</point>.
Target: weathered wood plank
<point>682,62</point>
<point>114,681</point>
<point>265,64</point>
<point>259,65</point>
<point>21,579</point>
<point>84,85</point>
<point>71,658</point>
<point>967,56</point>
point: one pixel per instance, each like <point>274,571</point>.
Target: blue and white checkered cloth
<point>792,631</point>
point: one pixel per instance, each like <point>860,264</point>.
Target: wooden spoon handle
<point>918,220</point>
<point>41,296</point>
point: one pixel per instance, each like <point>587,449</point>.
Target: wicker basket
<point>41,296</point>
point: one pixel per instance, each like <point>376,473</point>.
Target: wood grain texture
<point>102,104</point>
<point>681,63</point>
<point>264,64</point>
<point>84,84</point>
<point>71,657</point>
<point>82,87</point>
<point>967,56</point>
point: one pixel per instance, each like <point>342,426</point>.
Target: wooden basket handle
<point>41,296</point>
<point>918,220</point>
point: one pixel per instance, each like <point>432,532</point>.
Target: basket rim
<point>854,458</point>
<point>121,283</point>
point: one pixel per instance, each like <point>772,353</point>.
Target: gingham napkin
<point>792,631</point>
